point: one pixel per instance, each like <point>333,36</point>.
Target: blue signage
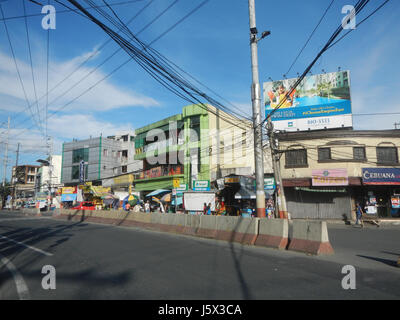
<point>389,176</point>
<point>329,107</point>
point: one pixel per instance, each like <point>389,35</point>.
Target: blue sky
<point>212,45</point>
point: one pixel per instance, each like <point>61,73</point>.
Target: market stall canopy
<point>156,192</point>
<point>166,197</point>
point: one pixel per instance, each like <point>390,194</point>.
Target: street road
<point>94,261</point>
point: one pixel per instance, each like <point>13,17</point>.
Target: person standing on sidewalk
<point>359,213</point>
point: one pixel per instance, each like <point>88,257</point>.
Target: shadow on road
<point>391,263</point>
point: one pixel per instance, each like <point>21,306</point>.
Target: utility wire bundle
<point>155,64</point>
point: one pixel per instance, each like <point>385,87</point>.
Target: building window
<point>125,153</point>
<point>124,169</point>
<point>105,153</point>
<point>125,138</point>
<point>324,154</point>
<point>359,153</point>
<point>132,139</point>
<point>80,154</point>
<point>195,129</point>
<point>296,158</point>
<point>386,155</point>
<point>75,172</point>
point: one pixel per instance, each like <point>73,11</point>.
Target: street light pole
<point>256,103</point>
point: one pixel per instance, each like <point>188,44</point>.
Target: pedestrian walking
<point>359,213</point>
<point>205,208</point>
<point>147,206</point>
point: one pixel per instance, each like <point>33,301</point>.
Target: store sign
<point>68,197</point>
<point>379,176</point>
<point>395,202</point>
<point>201,185</point>
<point>123,180</point>
<point>269,184</point>
<point>330,177</point>
<point>68,190</point>
<point>232,180</point>
<point>175,182</point>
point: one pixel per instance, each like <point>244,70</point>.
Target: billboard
<point>320,101</point>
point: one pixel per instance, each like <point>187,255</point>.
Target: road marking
<point>19,219</point>
<point>22,288</point>
<point>27,246</point>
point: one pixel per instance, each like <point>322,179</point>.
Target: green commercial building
<point>181,147</point>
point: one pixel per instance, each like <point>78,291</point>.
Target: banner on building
<point>319,101</point>
<point>381,176</point>
<point>330,177</point>
<point>201,185</point>
<point>68,190</point>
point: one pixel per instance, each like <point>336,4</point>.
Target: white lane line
<point>27,246</point>
<point>22,288</point>
<point>18,219</point>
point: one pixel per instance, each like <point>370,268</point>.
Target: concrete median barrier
<point>310,236</point>
<point>176,222</point>
<point>192,224</point>
<point>273,233</point>
<point>208,227</point>
<point>237,229</point>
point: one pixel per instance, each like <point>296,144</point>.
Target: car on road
<point>85,205</point>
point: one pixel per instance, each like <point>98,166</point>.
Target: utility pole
<point>275,156</point>
<point>49,184</point>
<point>14,182</point>
<point>5,165</point>
<point>6,155</point>
<point>256,103</point>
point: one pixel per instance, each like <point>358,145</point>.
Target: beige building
<point>325,172</point>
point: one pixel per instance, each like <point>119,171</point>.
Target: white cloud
<point>101,97</point>
<point>82,126</point>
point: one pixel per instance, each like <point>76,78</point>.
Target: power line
<point>16,67</point>
<point>309,38</point>
<point>30,60</point>
<point>366,18</point>
<point>66,10</point>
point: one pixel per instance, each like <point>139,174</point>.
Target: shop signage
<point>395,202</point>
<point>68,190</point>
<point>383,176</point>
<point>201,185</point>
<point>232,180</point>
<point>123,180</point>
<point>330,177</point>
<point>269,183</point>
<point>175,182</point>
<point>182,187</point>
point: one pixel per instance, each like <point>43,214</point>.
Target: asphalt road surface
<point>94,261</point>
